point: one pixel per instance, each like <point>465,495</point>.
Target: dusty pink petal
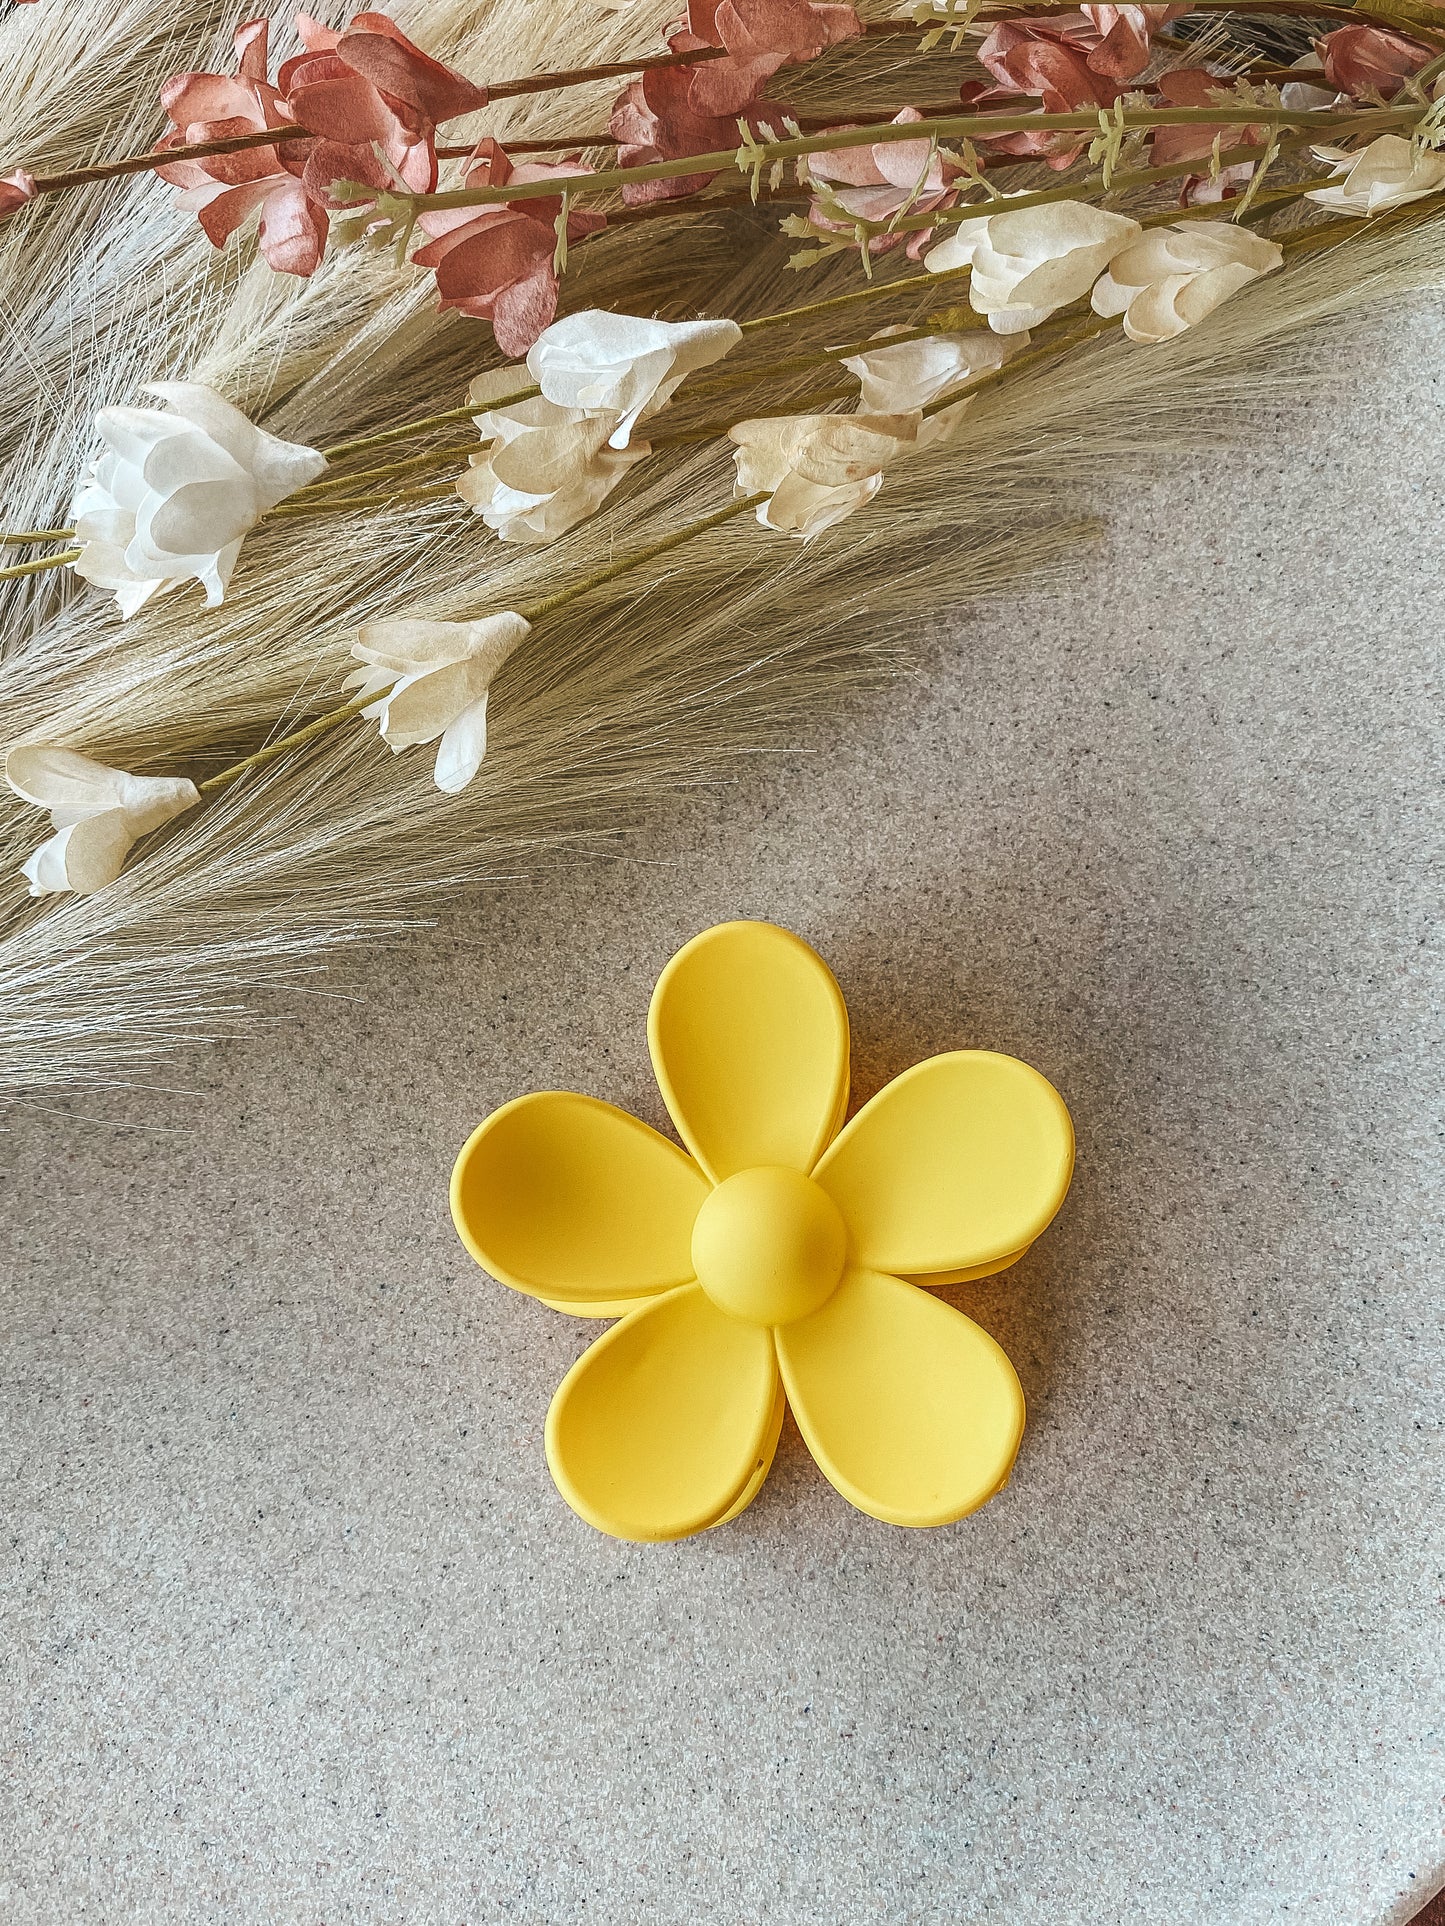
<point>1056,150</point>
<point>251,52</point>
<point>477,266</point>
<point>344,109</point>
<point>1026,60</point>
<point>15,190</point>
<point>725,87</point>
<point>849,166</point>
<point>907,164</point>
<point>1123,49</point>
<point>204,97</point>
<point>488,165</point>
<point>328,162</point>
<point>793,30</point>
<point>499,268</point>
<point>523,310</point>
<point>1195,87</point>
<point>227,208</point>
<point>250,164</point>
<point>654,120</point>
<point>292,235</point>
<point>304,68</point>
<point>380,52</point>
<point>1199,190</point>
<point>1362,60</point>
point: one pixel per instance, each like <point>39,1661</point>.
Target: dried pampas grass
<point>617,698</point>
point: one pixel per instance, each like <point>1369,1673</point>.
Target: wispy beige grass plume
<point>648,684</point>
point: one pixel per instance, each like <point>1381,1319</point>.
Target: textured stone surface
<point>295,1628</point>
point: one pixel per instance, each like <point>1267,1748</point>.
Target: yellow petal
<point>667,1424</point>
<point>911,1410</point>
<point>958,1163</point>
<point>564,1197</point>
<point>600,1308</point>
<point>749,1040</point>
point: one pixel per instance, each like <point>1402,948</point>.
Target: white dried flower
<point>176,493</point>
<point>1171,277</point>
<point>1297,95</point>
<point>818,469</point>
<point>432,680</point>
<point>903,375</point>
<point>97,811</point>
<point>1390,172</point>
<point>1030,261</point>
<point>546,468</point>
<point>623,365</point>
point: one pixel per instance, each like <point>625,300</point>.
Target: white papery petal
<point>574,471</point>
<point>80,858</point>
<point>910,374</point>
<point>131,433</point>
<point>448,669</point>
<point>958,248</point>
<point>97,811</point>
<point>132,595</point>
<point>217,420</point>
<point>623,364</point>
<point>1029,261</point>
<point>805,509</point>
<point>1388,173</point>
<point>819,469</point>
<point>462,748</point>
<point>1171,278</point>
<point>51,777</point>
<point>175,494</point>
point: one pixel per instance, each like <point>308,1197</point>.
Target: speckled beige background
<point>295,1628</point>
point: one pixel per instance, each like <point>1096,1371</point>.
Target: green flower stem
<point>1095,184</point>
<point>910,284</point>
<point>333,504</point>
<point>551,603</point>
<point>27,535</point>
<point>299,738</point>
<point>41,564</point>
<point>314,491</point>
<point>425,424</point>
<point>950,127</point>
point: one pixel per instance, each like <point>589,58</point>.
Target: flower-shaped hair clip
<point>780,1257</point>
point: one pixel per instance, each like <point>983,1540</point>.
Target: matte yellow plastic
<point>661,1427</point>
<point>564,1197</point>
<point>769,1245</point>
<point>911,1410</point>
<point>958,1163</point>
<point>749,1039</point>
<point>598,1308</point>
<point>777,1262</point>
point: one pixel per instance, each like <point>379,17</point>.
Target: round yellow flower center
<point>768,1245</point>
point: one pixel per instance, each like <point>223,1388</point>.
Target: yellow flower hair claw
<point>779,1257</point>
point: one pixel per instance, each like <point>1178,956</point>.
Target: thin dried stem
<point>300,738</point>
<point>40,564</point>
<point>952,127</point>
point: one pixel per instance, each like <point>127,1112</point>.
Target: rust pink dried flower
<point>368,88</point>
<point>654,120</point>
<point>876,180</point>
<point>1197,87</point>
<point>1370,60</point>
<point>496,263</point>
<point>224,190</point>
<point>16,190</point>
<point>1121,50</point>
<point>760,36</point>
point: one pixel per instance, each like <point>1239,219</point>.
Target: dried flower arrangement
<point>578,454</point>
